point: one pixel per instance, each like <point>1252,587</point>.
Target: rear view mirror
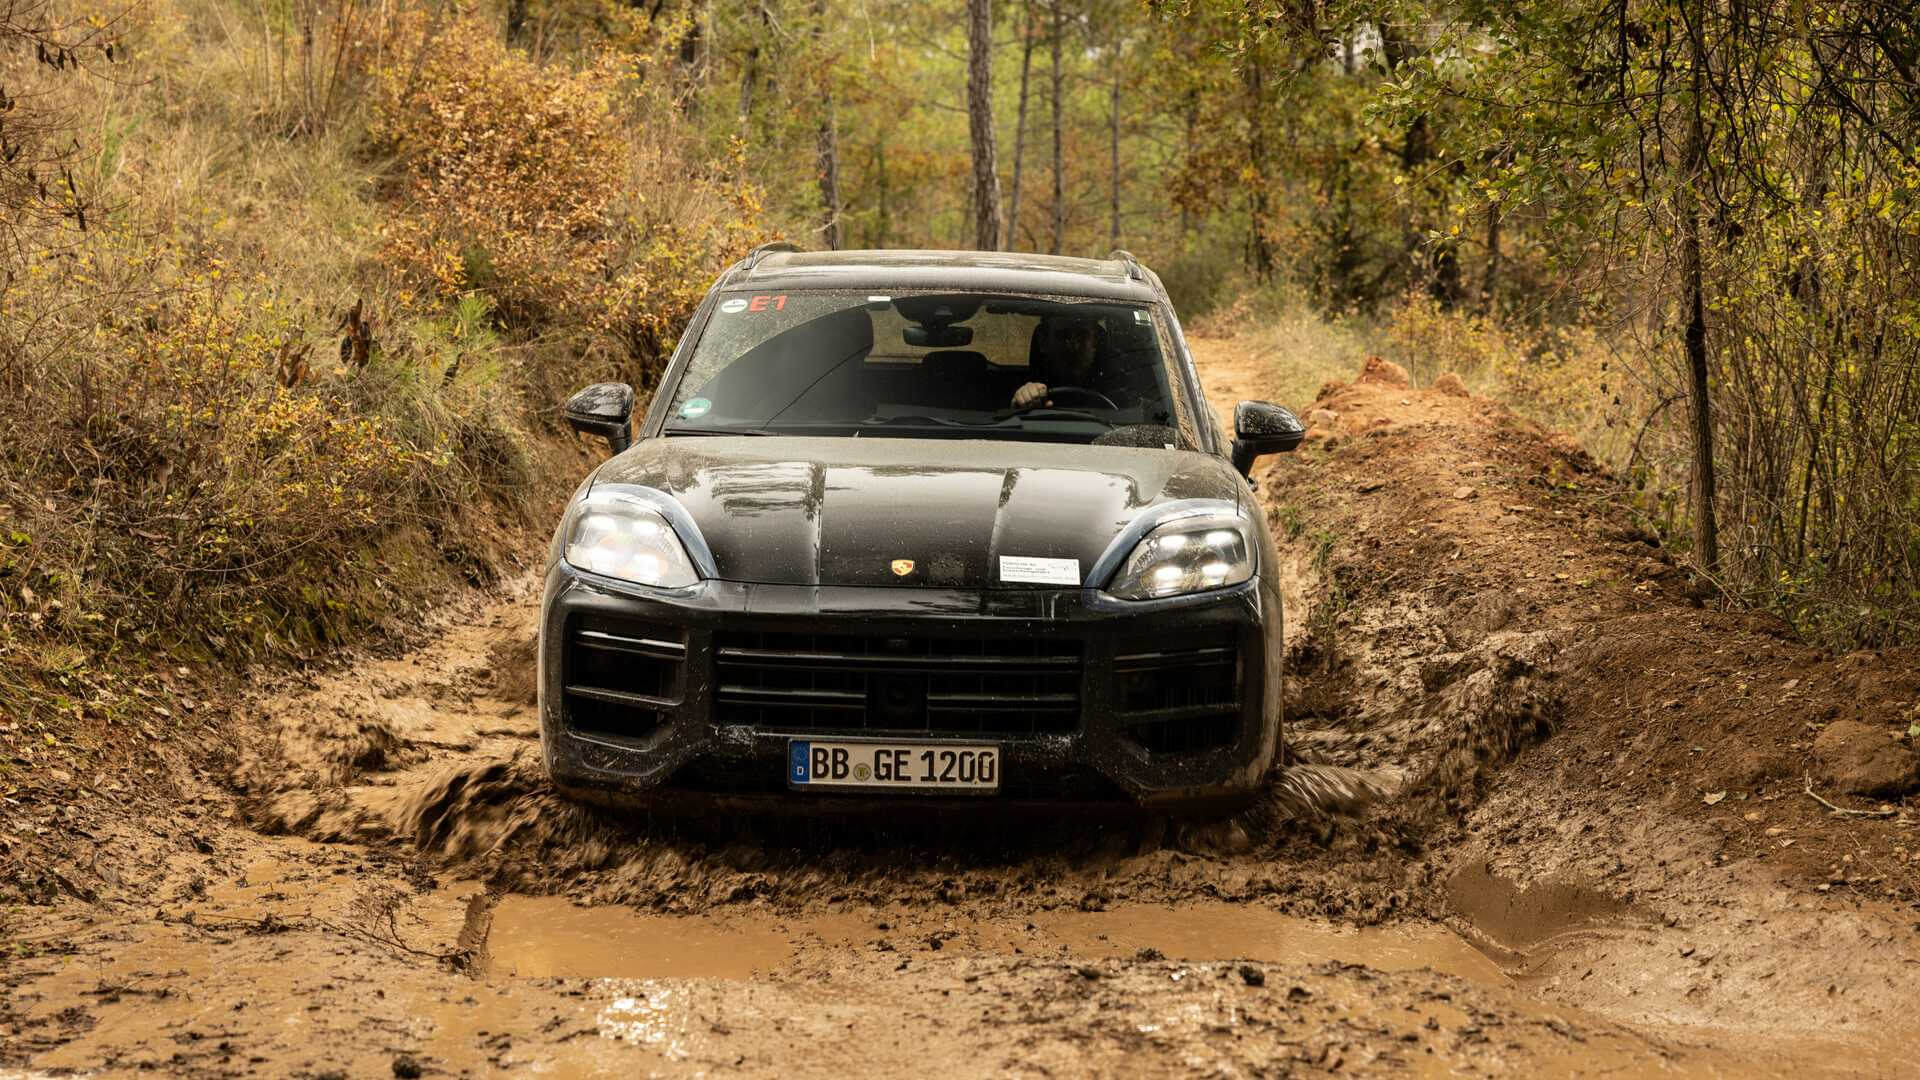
<point>938,337</point>
<point>1261,428</point>
<point>604,409</point>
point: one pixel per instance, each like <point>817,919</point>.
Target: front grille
<point>897,683</point>
<point>1180,695</point>
<point>621,675</point>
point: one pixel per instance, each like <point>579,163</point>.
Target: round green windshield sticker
<point>695,408</point>
<point>734,305</point>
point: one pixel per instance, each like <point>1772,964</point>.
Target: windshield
<point>964,365</point>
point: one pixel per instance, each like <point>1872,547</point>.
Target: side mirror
<point>1260,428</point>
<point>604,409</point>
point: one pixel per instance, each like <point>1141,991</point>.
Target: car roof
<point>1117,278</point>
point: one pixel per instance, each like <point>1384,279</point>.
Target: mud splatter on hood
<point>839,511</point>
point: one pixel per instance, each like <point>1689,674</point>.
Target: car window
<point>931,365</point>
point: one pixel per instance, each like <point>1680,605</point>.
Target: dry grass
<point>208,457</point>
<point>1622,401</point>
<point>1299,349</point>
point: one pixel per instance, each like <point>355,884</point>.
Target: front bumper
<point>654,697</point>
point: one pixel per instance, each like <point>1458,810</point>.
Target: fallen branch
<point>1843,811</point>
<point>391,940</point>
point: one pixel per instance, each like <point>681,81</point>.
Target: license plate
<point>893,766</point>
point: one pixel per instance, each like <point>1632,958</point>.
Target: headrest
<point>1037,345</point>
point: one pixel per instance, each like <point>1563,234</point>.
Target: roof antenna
<point>1133,265</point>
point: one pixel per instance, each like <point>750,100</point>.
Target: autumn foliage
<point>305,373</point>
<point>544,189</point>
<point>511,172</point>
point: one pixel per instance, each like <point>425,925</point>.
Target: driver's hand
<point>1029,395</point>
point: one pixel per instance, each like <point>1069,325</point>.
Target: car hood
<point>844,511</point>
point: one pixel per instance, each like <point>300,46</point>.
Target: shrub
<point>1558,376</point>
<point>176,467</point>
<point>545,189</point>
<point>511,171</point>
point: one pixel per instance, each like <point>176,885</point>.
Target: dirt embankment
<point>1549,814</point>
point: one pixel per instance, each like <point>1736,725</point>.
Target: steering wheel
<point>1086,395</point>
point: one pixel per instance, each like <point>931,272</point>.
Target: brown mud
<point>1548,815</point>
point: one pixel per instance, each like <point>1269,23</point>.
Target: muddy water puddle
<point>543,936</point>
<point>1514,918</point>
<point>867,992</point>
<point>1208,932</point>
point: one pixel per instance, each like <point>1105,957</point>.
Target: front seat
<point>957,379</point>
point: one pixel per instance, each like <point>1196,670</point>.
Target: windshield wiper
<point>883,421</point>
<point>676,429</point>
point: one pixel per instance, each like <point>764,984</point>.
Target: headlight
<point>610,532</point>
<point>1186,555</point>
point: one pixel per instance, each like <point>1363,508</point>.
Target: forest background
<point>291,290</point>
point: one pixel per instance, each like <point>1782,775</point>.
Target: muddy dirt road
<point>1550,817</point>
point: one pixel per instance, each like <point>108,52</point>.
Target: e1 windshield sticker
<point>758,303</point>
<point>1140,316</point>
<point>695,408</point>
<point>1029,570</point>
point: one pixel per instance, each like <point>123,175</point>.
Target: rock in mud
<point>1861,759</point>
<point>1750,770</point>
<point>1451,384</point>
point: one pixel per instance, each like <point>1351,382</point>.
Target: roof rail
<point>1134,270</point>
<point>761,252</point>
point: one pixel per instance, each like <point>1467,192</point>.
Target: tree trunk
<point>1439,262</point>
<point>749,76</point>
<point>1490,281</point>
<point>1059,163</point>
<point>1444,285</point>
<point>693,60</point>
<point>883,223</point>
<point>1020,125</point>
<point>986,170</point>
<point>1260,252</point>
<point>829,144</point>
<point>1706,537</point>
<point>829,177</point>
<point>1113,126</point>
<point>1186,154</point>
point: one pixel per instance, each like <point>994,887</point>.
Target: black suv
<point>914,525</point>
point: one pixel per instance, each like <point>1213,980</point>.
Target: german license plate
<point>893,766</point>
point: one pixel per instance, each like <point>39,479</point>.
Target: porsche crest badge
<point>902,567</point>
